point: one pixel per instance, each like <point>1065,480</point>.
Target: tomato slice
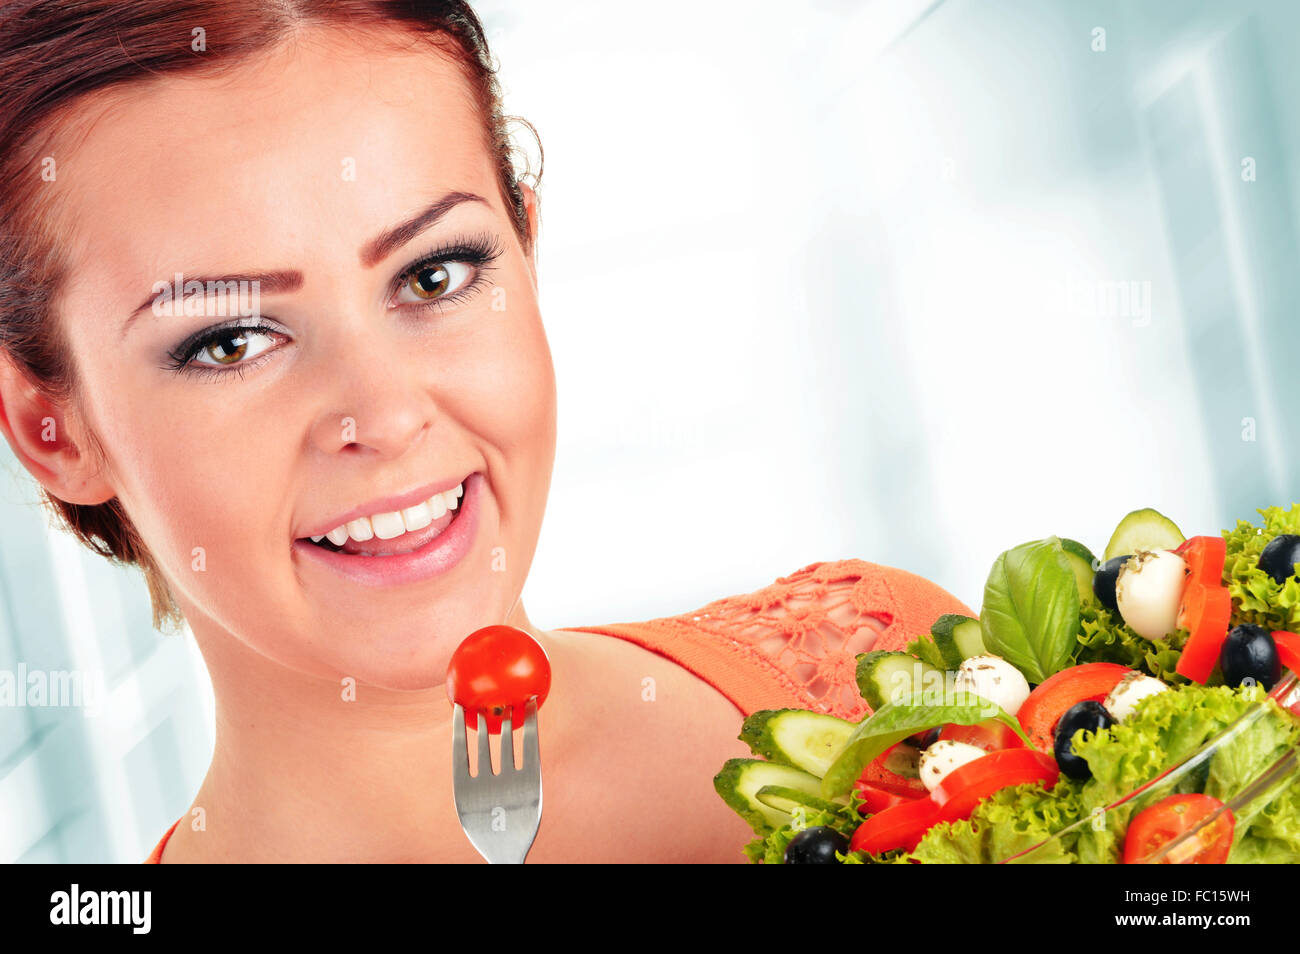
<point>1204,557</point>
<point>1039,713</point>
<point>1161,823</point>
<point>989,736</point>
<point>1205,613</point>
<point>963,788</point>
<point>876,798</point>
<point>881,777</point>
<point>898,827</point>
<point>496,669</point>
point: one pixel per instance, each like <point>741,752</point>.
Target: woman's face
<point>298,167</point>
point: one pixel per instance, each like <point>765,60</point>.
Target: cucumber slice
<point>884,676</point>
<point>969,636</point>
<point>786,799</point>
<point>1143,530</point>
<point>738,784</point>
<point>958,638</point>
<point>810,741</point>
<point>1084,565</point>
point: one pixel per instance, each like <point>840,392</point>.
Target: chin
<point>406,656</point>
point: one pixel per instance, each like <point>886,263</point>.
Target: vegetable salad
<point>1129,708</point>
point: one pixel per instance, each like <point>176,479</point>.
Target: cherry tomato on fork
<point>494,669</point>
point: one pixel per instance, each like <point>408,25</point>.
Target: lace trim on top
<point>794,642</point>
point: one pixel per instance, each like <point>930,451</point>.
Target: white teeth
<point>417,517</point>
<point>318,539</point>
<point>360,529</point>
<point>386,526</point>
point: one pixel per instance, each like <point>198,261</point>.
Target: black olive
<point>1280,557</point>
<point>1103,582</point>
<point>1250,653</point>
<point>1088,715</point>
<point>816,846</point>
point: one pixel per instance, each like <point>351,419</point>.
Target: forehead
<point>328,137</point>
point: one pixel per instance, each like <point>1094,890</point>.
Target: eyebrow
<point>371,253</point>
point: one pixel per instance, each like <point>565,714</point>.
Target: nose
<point>379,405</point>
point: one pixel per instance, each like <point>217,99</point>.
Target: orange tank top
<point>792,644</point>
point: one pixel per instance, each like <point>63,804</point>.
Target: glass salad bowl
<point>1246,801</point>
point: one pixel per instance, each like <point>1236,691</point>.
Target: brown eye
<point>430,282</point>
<point>233,345</point>
<point>433,281</point>
<point>227,347</point>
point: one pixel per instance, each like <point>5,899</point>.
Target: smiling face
<point>301,167</point>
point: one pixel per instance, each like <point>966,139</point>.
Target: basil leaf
<point>908,715</point>
<point>1030,614</point>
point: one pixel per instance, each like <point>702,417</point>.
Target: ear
<point>530,206</point>
<point>49,441</point>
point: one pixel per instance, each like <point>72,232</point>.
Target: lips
<point>434,553</point>
<point>391,504</point>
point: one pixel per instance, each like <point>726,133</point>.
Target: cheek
<point>189,474</point>
<point>514,389</point>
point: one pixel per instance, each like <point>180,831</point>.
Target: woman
<point>348,162</point>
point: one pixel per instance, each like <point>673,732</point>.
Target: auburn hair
<point>55,52</point>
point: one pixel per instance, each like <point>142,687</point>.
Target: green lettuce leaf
<point>1104,637</point>
<point>924,649</point>
<point>1008,823</point>
<point>905,716</point>
<point>1256,596</point>
<point>770,849</point>
<point>1030,615</point>
<point>1164,731</point>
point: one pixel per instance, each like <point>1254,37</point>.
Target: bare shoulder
<point>659,735</point>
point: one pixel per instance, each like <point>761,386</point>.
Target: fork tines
<point>501,811</point>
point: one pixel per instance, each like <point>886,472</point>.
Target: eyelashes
<point>479,251</point>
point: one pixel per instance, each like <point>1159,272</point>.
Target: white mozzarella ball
<point>995,679</point>
<point>944,756</point>
<point>1149,590</point>
<point>1131,690</point>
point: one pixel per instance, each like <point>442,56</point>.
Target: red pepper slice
<point>1039,713</point>
<point>899,827</point>
<point>1288,649</point>
<point>876,798</point>
<point>1204,557</point>
<point>963,788</point>
<point>990,735</point>
<point>1205,614</point>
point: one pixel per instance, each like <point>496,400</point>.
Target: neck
<point>299,771</point>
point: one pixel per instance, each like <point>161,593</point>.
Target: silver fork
<point>500,813</point>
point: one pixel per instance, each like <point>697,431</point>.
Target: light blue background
<point>821,281</point>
